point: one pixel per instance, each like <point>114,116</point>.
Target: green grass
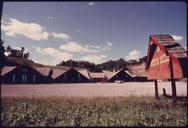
<point>99,111</point>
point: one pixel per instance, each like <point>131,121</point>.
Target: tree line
<point>17,53</point>
<point>109,65</point>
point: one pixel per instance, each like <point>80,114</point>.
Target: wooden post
<point>173,84</point>
<point>156,90</point>
<point>164,92</point>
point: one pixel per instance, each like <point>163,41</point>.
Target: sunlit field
<point>92,89</point>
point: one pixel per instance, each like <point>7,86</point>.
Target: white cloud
<point>94,58</point>
<point>91,3</point>
<point>75,47</point>
<point>135,55</point>
<point>62,36</point>
<point>57,54</point>
<point>39,50</point>
<point>3,21</point>
<point>33,31</point>
<point>185,47</point>
<point>106,46</point>
<point>108,43</point>
<point>50,17</point>
<point>52,55</point>
<point>93,46</point>
<point>177,37</point>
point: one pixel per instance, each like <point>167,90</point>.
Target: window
<point>24,78</point>
<point>34,78</point>
<point>13,78</point>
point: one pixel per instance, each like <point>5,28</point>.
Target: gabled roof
<point>122,69</point>
<point>7,69</point>
<point>168,45</point>
<point>97,75</point>
<point>56,72</point>
<point>130,74</point>
<point>43,70</point>
<point>84,72</point>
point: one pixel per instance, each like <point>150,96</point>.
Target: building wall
<point>23,75</point>
<point>140,79</point>
<point>97,80</point>
<point>71,76</point>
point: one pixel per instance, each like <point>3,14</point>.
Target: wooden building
<point>122,75</point>
<point>166,60</point>
<point>73,75</point>
<point>22,74</point>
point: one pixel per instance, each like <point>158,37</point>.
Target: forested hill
<point>109,65</point>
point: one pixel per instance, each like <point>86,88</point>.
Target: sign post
<point>166,60</point>
<point>173,83</point>
<point>156,90</point>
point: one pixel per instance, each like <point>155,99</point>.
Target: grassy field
<point>98,111</point>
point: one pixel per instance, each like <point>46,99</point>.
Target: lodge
<point>28,74</point>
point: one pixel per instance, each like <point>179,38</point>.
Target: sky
<point>92,31</point>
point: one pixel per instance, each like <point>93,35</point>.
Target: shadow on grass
<point>178,99</point>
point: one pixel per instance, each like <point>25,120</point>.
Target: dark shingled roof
<point>7,69</point>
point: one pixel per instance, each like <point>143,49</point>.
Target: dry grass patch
<point>98,111</point>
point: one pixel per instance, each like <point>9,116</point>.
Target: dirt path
<point>91,89</point>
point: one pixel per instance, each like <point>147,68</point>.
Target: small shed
<point>166,60</point>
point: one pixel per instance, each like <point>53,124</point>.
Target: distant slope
<point>15,61</point>
<point>137,69</point>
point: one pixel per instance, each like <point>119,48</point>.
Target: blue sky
<point>92,31</point>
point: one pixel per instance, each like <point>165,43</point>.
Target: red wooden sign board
<point>166,59</point>
<point>162,49</point>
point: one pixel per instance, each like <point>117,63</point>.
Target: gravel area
<point>91,89</point>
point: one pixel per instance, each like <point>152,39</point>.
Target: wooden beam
<point>156,90</point>
<point>173,84</point>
